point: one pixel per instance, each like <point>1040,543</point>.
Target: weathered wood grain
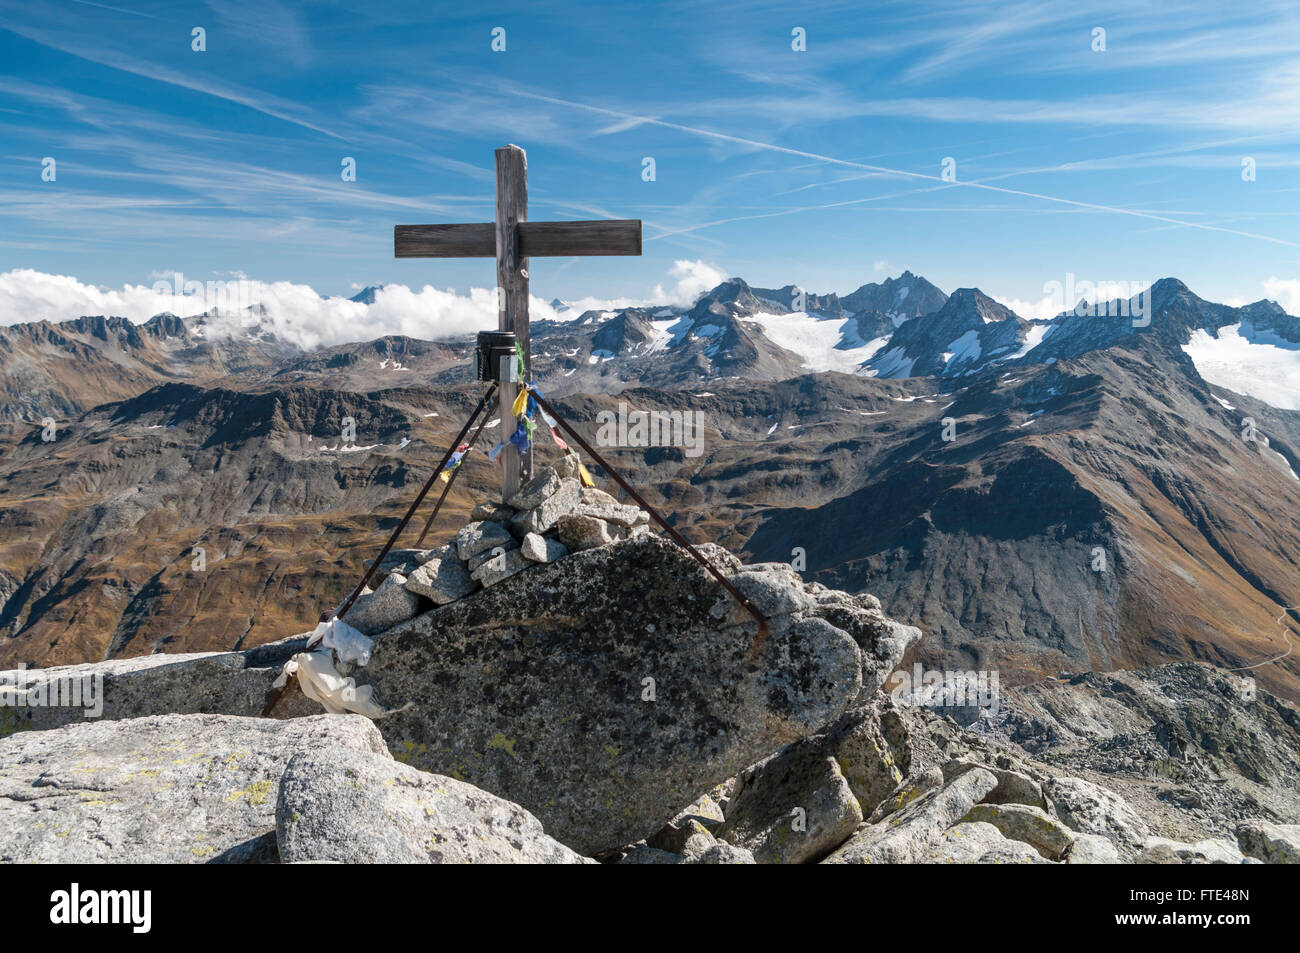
<point>512,301</point>
<point>536,239</point>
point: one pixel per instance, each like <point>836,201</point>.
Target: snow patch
<point>1033,338</point>
<point>1264,371</point>
<point>964,350</point>
<point>818,341</point>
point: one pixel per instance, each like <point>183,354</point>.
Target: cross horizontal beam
<point>536,239</point>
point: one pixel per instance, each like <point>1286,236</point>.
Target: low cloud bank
<point>296,313</point>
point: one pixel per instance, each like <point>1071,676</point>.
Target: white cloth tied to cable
<point>321,681</point>
<point>350,644</point>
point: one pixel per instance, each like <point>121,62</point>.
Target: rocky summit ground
<point>600,697</point>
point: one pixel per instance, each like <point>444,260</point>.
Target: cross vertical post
<point>512,304</point>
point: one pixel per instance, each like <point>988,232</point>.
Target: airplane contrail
<point>802,154</point>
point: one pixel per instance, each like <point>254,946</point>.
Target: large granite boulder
<point>1270,843</point>
<point>1091,809</point>
<point>794,808</point>
<point>608,690</point>
<point>909,835</point>
<point>358,807</point>
<point>162,789</point>
<point>219,683</point>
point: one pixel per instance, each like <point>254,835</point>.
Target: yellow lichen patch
<point>405,751</point>
<point>505,744</point>
<point>10,722</point>
<point>256,793</point>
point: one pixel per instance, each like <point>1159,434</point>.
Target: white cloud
<point>1286,292</point>
<point>693,279</point>
<point>27,295</point>
<point>1049,306</point>
<point>297,313</point>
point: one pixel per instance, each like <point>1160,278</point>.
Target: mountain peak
<point>971,303</point>
<point>367,294</point>
<point>907,296</point>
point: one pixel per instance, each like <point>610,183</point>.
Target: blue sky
<point>821,168</point>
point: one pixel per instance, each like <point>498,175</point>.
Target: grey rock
<point>642,854</point>
<point>1013,786</point>
<point>474,538</point>
<point>792,808</point>
<point>401,561</point>
<point>1013,852</point>
<point>720,853</point>
<point>389,605</point>
<point>851,751</point>
<point>595,495</point>
<point>1092,849</point>
<point>582,532</point>
<point>722,558</point>
<point>491,511</point>
<point>882,640</point>
<point>774,589</point>
<point>704,809</point>
<point>567,466</point>
<point>675,836</point>
<point>495,552</point>
<point>1092,809</point>
<point>1032,825</point>
<point>544,516</point>
<point>714,854</point>
<point>494,570</point>
<point>701,816</point>
<point>965,843</point>
<point>908,791</point>
<point>906,835</point>
<point>1270,843</point>
<point>442,580</point>
<point>543,485</point>
<point>865,757</point>
<point>542,549</point>
<point>533,689</point>
<point>358,807</point>
<point>616,514</point>
<point>160,789</point>
<point>232,683</point>
<point>1159,850</point>
<point>976,842</point>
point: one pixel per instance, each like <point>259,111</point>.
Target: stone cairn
<point>551,516</point>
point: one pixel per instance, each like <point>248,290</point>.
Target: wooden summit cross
<point>512,240</point>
